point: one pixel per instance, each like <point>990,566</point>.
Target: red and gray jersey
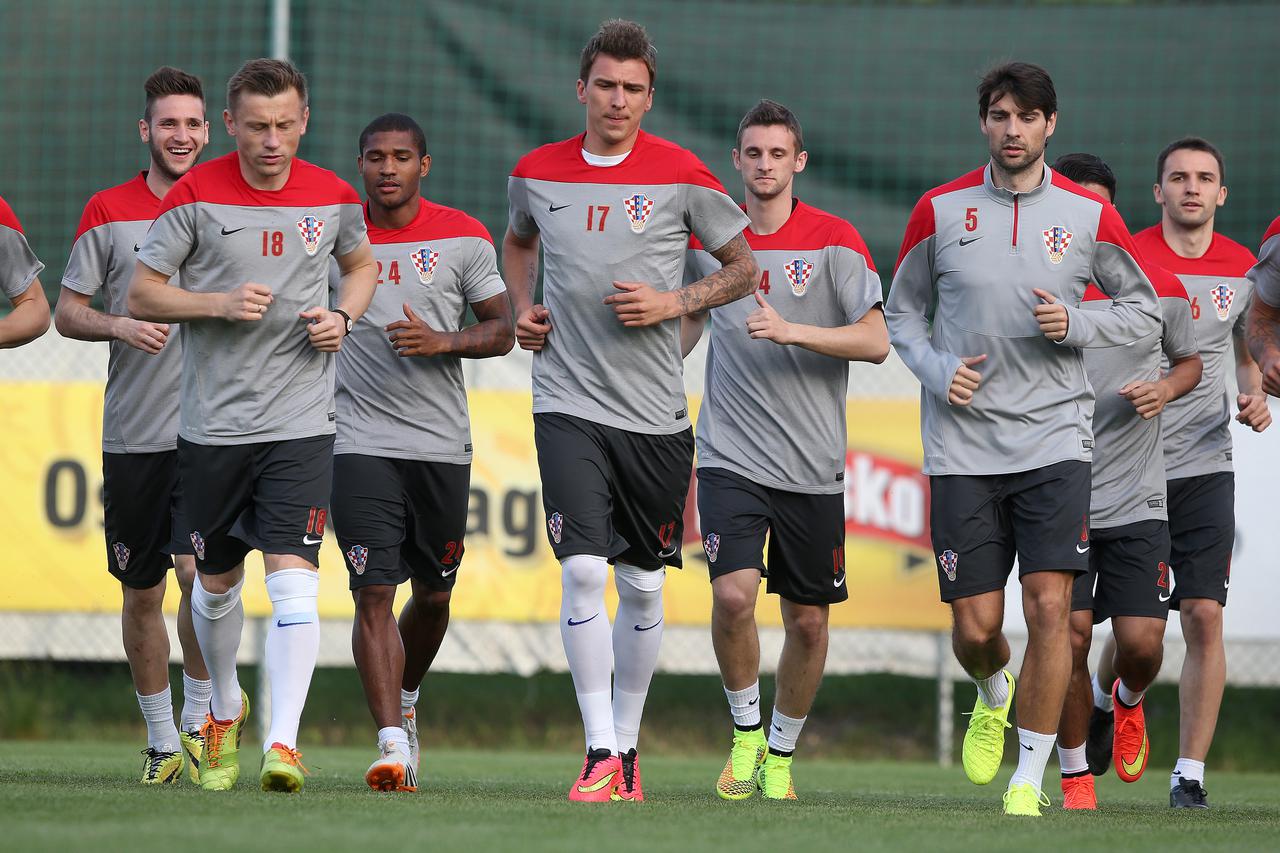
<point>1197,435</point>
<point>601,224</point>
<point>1265,274</point>
<point>140,409</point>
<point>18,264</point>
<point>244,383</point>
<point>1128,462</point>
<point>415,408</point>
<point>776,414</point>
<point>971,256</point>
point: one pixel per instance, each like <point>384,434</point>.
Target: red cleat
<point>1078,793</point>
<point>1130,745</point>
<point>601,772</point>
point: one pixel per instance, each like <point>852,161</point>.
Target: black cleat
<point>1189,795</point>
<point>1097,746</point>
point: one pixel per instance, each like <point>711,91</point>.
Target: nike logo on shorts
<point>582,621</point>
<point>840,581</point>
<point>1165,596</point>
<point>451,571</point>
<point>668,552</point>
<point>651,627</point>
<point>1084,550</point>
<point>307,540</point>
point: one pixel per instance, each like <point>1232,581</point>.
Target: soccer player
<point>1128,577</point>
<point>251,233</point>
<point>20,283</point>
<point>612,210</point>
<point>1190,187</point>
<point>771,442</point>
<point>984,311</point>
<point>402,470</point>
<point>143,499</point>
<point>1264,312</point>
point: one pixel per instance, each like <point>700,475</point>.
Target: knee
<point>807,625</point>
<point>1201,619</point>
<point>734,602</point>
<point>1081,642</point>
<point>374,603</point>
<point>218,584</point>
<point>140,603</point>
<point>184,571</point>
<point>584,575</point>
<point>1047,606</point>
<point>430,603</point>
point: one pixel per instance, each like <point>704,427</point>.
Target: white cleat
<point>410,725</point>
<point>393,771</point>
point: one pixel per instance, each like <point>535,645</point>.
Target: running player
<point>612,210</point>
<point>142,497</point>
<point>401,476</point>
<point>1264,312</point>
<point>251,233</point>
<point>20,283</point>
<point>1128,577</point>
<point>983,309</point>
<point>1190,187</point>
<point>771,442</point>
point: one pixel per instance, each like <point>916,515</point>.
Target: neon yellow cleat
<point>282,769</point>
<point>738,778</point>
<point>775,778</point>
<point>1024,800</point>
<point>193,751</point>
<point>984,740</point>
<point>220,765</point>
<point>161,768</point>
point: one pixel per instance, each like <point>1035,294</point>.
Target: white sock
<point>408,700</point>
<point>745,706</point>
<point>157,710</point>
<point>994,690</point>
<point>1102,698</point>
<point>588,646</point>
<point>637,636</point>
<point>1189,769</point>
<point>218,619</point>
<point>395,735</point>
<point>1127,696</point>
<point>1071,760</point>
<point>1033,757</point>
<point>293,644</point>
<point>195,701</point>
<point>784,731</point>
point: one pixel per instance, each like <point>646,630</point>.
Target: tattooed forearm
<point>1262,331</point>
<point>492,335</point>
<point>532,273</point>
<point>736,278</point>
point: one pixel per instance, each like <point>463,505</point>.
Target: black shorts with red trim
<point>143,516</point>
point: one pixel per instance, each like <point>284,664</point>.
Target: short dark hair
<point>392,122</point>
<point>167,80</point>
<point>768,112</point>
<point>1087,169</point>
<point>1190,143</point>
<point>1029,84</point>
<point>621,40</point>
<point>268,77</point>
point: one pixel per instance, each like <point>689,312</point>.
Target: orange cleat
<point>601,772</point>
<point>628,786</point>
<point>1078,793</point>
<point>1130,745</point>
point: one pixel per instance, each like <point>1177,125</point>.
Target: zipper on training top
<point>1014,243</point>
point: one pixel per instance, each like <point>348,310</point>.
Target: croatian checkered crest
<point>638,207</point>
<point>424,261</point>
<point>311,230</point>
<point>556,525</point>
<point>711,544</point>
<point>948,560</point>
<point>1222,296</point>
<point>122,556</point>
<point>358,555</point>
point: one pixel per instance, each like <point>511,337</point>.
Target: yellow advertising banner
<point>55,558</point>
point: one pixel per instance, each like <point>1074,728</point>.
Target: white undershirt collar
<point>601,160</point>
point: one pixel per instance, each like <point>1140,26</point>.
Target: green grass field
<point>83,796</point>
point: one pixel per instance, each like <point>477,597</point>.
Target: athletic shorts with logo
<point>805,533</point>
<point>981,522</point>
<point>1202,526</point>
<point>397,519</point>
<point>611,492</point>
<point>143,513</point>
<point>1128,572</point>
<point>270,496</point>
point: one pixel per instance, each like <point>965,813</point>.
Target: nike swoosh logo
<point>840,581</point>
<point>1165,597</point>
<point>1084,550</point>
<point>670,552</point>
<point>307,540</point>
<point>280,624</point>
<point>136,247</point>
<point>965,242</point>
<point>582,621</point>
<point>777,727</point>
<point>754,701</point>
<point>651,627</point>
<point>1027,748</point>
<point>607,780</point>
<point>227,232</point>
<point>1132,767</point>
<point>552,208</point>
<point>451,571</point>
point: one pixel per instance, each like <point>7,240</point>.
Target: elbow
<point>506,342</point>
<point>61,319</point>
<point>881,352</point>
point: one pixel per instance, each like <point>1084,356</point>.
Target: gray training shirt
<point>776,414</point>
<point>1265,275</point>
<point>257,381</point>
<point>18,264</point>
<point>415,407</point>
<point>971,256</point>
<point>629,222</point>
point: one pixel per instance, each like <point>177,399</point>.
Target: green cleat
<point>984,740</point>
<point>161,768</point>
<point>193,750</point>
<point>220,764</point>
<point>1024,800</point>
<point>282,769</point>
<point>774,778</point>
<point>738,779</point>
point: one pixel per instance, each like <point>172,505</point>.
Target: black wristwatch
<point>346,317</point>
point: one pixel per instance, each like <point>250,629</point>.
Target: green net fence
<point>885,91</point>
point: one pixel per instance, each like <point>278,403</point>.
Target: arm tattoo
<point>735,279</point>
<point>533,280</point>
<point>1262,329</point>
<point>490,335</point>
